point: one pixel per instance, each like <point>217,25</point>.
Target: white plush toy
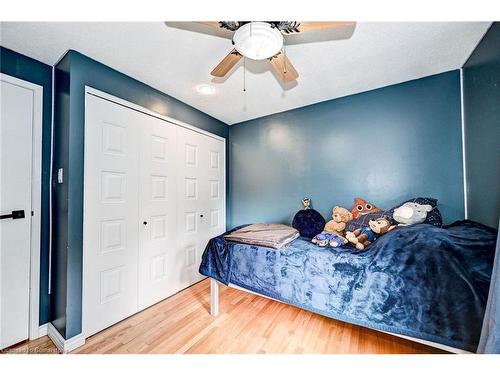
<point>411,213</point>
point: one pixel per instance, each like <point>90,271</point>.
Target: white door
<point>111,213</point>
<point>201,194</point>
<point>154,196</point>
<point>157,210</point>
<point>214,163</point>
<point>16,124</point>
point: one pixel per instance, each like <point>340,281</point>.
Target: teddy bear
<point>333,232</point>
<point>362,237</point>
<point>362,207</point>
<point>340,217</point>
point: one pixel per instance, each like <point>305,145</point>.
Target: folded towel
<point>268,235</point>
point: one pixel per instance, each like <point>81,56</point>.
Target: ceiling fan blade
<point>210,23</point>
<point>226,64</point>
<point>284,67</point>
<point>209,28</point>
<point>302,27</point>
<point>226,25</point>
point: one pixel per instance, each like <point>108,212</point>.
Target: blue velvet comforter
<point>420,281</point>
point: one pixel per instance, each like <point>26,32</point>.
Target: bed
<point>422,282</point>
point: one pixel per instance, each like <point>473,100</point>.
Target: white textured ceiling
<point>175,58</point>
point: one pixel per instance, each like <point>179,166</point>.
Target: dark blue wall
<point>60,196</point>
<point>82,71</point>
<point>28,69</point>
<point>385,145</point>
<point>481,81</point>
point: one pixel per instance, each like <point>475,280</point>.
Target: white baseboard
<point>64,346</point>
<point>430,343</point>
<point>43,330</point>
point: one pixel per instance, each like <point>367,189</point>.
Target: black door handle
<point>19,214</point>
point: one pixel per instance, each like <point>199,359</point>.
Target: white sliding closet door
<point>215,203</point>
<point>201,195</point>
<point>154,196</point>
<point>157,211</point>
<point>111,213</point>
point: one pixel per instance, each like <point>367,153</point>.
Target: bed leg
<point>214,298</point>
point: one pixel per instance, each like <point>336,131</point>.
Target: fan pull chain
<point>244,73</point>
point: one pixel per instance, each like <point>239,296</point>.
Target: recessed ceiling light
<point>205,89</point>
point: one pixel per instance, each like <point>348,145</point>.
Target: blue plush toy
<point>308,221</point>
<point>325,238</point>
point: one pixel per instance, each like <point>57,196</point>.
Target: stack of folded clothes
<point>267,235</point>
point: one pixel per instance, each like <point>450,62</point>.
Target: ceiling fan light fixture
<point>258,40</point>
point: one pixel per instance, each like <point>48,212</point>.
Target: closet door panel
<point>110,215</point>
<point>157,211</point>
<point>191,215</point>
<point>215,201</point>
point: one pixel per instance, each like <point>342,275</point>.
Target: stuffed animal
<point>307,203</point>
<point>362,237</point>
<point>333,232</point>
<point>381,225</point>
<point>308,221</point>
<point>362,207</point>
<point>340,216</point>
<point>411,213</point>
<point>324,239</point>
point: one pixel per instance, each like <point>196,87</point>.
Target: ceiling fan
<point>263,40</point>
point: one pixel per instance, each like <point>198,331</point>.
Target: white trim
<point>43,330</point>
<point>91,91</point>
<point>64,346</point>
<point>36,197</point>
<point>214,310</point>
<point>430,343</point>
<point>125,103</point>
<point>464,162</point>
<point>226,164</point>
<point>36,207</point>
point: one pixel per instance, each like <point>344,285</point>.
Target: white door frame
<point>125,103</point>
<point>35,331</point>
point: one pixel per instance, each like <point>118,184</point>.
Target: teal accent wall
<point>481,85</point>
<point>384,145</point>
<point>28,69</point>
<point>73,73</point>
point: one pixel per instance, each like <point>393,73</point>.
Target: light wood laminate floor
<point>246,324</point>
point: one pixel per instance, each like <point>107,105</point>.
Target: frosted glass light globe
<point>258,40</point>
